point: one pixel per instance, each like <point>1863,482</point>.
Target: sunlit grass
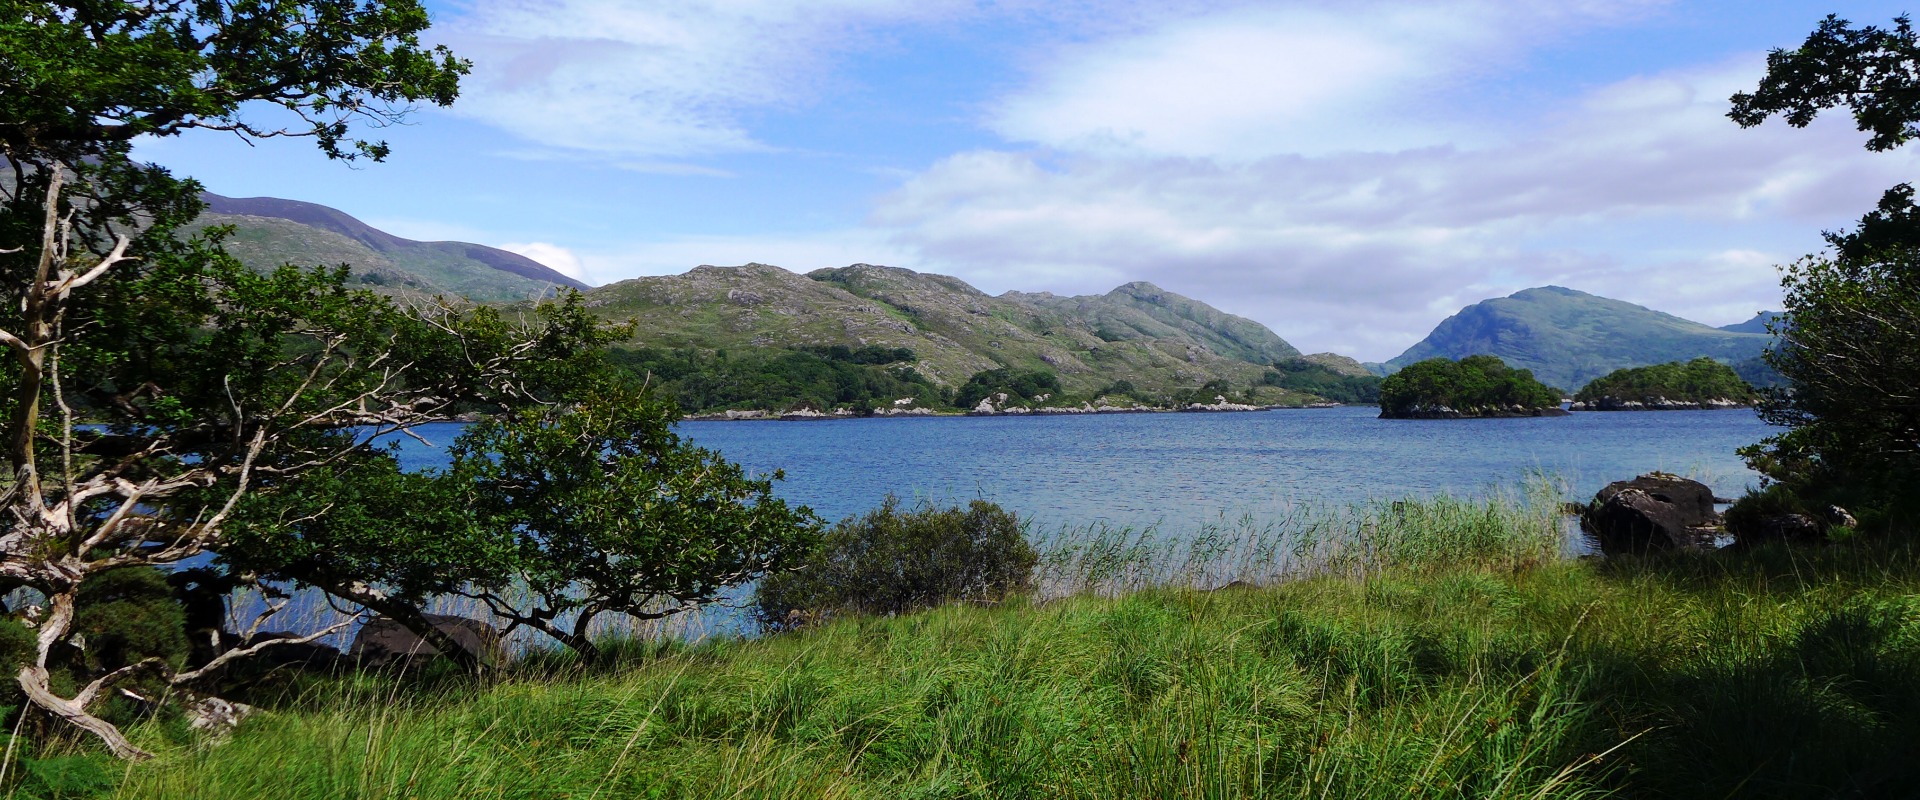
<point>1471,663</point>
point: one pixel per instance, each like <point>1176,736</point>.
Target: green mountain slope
<point>271,231</point>
<point>1141,310</point>
<point>1569,337</point>
<point>955,329</point>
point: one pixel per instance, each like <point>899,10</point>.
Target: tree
<point>164,403</point>
<point>595,506</point>
<point>1851,353</point>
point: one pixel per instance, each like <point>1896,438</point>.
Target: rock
<point>1838,516</point>
<point>384,641</point>
<point>1448,412</point>
<point>304,655</point>
<point>1651,513</point>
<point>214,716</point>
<point>1610,403</point>
<point>985,407</point>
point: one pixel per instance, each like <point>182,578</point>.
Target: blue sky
<point>1348,173</point>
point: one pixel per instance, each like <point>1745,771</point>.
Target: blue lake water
<point>1175,471</point>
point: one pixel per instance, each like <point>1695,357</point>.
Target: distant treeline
<point>821,378</point>
<point>1301,375</point>
<point>864,379</point>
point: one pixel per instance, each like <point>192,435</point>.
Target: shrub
<point>890,561</point>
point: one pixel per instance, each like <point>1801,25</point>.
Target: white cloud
<point>1267,79</point>
<point>651,80</point>
<point>1642,191</point>
<point>553,256</point>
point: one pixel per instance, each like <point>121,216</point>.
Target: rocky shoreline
<point>1657,404</point>
<point>990,410</point>
<point>1445,412</point>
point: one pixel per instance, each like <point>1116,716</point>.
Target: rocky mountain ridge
<point>1139,333</point>
<point>270,231</point>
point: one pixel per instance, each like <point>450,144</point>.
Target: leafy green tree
<point>595,507</point>
<point>1851,356</point>
<point>163,403</point>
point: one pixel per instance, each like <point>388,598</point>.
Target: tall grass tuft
<point>1507,529</point>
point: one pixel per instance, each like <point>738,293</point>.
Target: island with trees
<point>1702,383</point>
<point>1475,386</point>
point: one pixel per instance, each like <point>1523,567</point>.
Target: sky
<point>1347,173</point>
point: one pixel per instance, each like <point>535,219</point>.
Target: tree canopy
<point>163,402</point>
<point>1851,357</point>
<point>1697,381</point>
<point>1473,386</point>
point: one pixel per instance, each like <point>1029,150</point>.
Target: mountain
<point>1569,337</point>
<point>1141,310</point>
<point>1151,338</point>
<point>1756,325</point>
<point>270,231</point>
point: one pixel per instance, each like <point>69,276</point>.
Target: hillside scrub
<point>1698,381</point>
<point>1473,386</point>
<point>1307,377</point>
<point>820,378</point>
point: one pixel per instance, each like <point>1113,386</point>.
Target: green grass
<point>1473,665</point>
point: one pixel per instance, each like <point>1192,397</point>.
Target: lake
<point>1177,470</point>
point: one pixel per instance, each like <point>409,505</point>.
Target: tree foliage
<point>597,507</point>
<point>1851,357</point>
<point>1473,385</point>
<point>163,403</point>
<point>1696,381</point>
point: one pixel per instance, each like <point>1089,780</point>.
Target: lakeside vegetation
<point>1468,660</point>
<point>1475,386</point>
<point>1700,381</point>
<point>872,378</point>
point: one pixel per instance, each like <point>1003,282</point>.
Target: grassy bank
<point>1480,668</point>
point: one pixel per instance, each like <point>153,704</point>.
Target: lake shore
<point>808,415</point>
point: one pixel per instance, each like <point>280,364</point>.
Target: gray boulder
<point>384,641</point>
<point>1652,513</point>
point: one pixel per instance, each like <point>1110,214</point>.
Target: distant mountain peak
<point>1568,337</point>
<point>1758,324</point>
<point>472,270</point>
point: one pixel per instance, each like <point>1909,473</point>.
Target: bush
<point>890,561</point>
